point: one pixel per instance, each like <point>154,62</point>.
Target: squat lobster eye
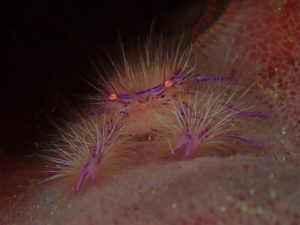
<point>112,96</point>
<point>168,83</point>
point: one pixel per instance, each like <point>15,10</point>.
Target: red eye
<point>113,96</point>
<point>168,83</point>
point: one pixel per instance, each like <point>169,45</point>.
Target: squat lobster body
<point>155,104</point>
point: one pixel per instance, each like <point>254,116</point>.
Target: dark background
<point>45,51</point>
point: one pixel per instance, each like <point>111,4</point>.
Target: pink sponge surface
<point>234,190</point>
<point>270,44</point>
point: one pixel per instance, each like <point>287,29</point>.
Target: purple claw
<point>189,145</point>
<point>211,77</point>
<point>85,172</point>
<point>178,147</point>
<point>186,140</point>
<point>250,142</point>
<point>261,115</point>
<point>84,175</point>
